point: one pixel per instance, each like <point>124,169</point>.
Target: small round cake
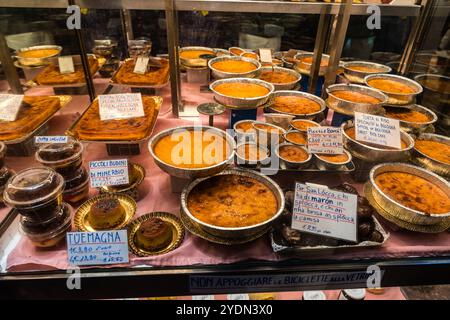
<point>154,234</point>
<point>106,213</point>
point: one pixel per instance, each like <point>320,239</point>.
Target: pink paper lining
<point>193,251</point>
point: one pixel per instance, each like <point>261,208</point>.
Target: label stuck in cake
<point>65,64</point>
<point>120,106</point>
<point>108,173</point>
<point>265,55</point>
<point>377,130</point>
<point>141,65</point>
<point>326,140</point>
<point>97,248</point>
<point>9,106</point>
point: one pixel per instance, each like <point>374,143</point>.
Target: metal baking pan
<point>114,83</point>
<point>313,166</point>
<point>71,132</point>
<point>280,248</point>
<point>76,61</point>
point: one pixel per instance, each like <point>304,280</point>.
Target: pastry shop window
<point>243,213</point>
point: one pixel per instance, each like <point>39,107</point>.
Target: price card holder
<point>108,173</point>
<point>377,130</point>
<point>9,106</point>
<point>141,65</point>
<point>325,140</point>
<point>238,296</point>
<point>265,55</point>
<point>325,212</point>
<point>120,106</point>
<point>97,248</point>
<point>50,139</point>
<point>66,64</point>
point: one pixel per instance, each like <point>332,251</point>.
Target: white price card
<point>9,106</point>
<point>377,130</point>
<point>265,55</point>
<point>141,65</point>
<point>66,64</point>
<point>108,173</point>
<point>326,140</point>
<point>97,248</point>
<point>203,297</point>
<point>325,212</point>
<point>50,139</point>
<point>238,296</point>
<point>120,106</point>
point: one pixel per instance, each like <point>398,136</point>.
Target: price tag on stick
<point>325,212</point>
<point>141,65</point>
<point>120,106</point>
<point>326,140</point>
<point>66,64</point>
<point>9,106</point>
<point>377,130</point>
<point>265,55</point>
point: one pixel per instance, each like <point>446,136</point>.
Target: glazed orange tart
<point>251,152</point>
<point>251,55</point>
<point>334,158</point>
<point>194,54</point>
<point>391,86</point>
<point>295,105</point>
<point>268,128</point>
<point>413,192</point>
<point>434,149</point>
<point>245,126</point>
<point>303,125</point>
<point>38,53</point>
<point>192,149</point>
<point>408,115</point>
<point>236,51</point>
<point>234,66</point>
<point>277,77</point>
<point>241,90</point>
<point>309,60</point>
<point>366,69</point>
<point>232,201</point>
<point>297,137</point>
<point>356,97</point>
<point>293,153</point>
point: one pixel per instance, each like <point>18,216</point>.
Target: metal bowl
<point>305,67</point>
<point>234,54</point>
<point>238,232</point>
<point>187,173</point>
<point>424,160</point>
<point>240,160</point>
<point>225,75</point>
<point>251,52</point>
<point>328,165</point>
<point>306,95</point>
<point>414,126</point>
<point>285,136</point>
<point>292,164</point>
<point>373,153</point>
<point>32,62</point>
<point>349,107</point>
<point>400,211</point>
<point>197,62</point>
<point>358,76</point>
<point>244,136</point>
<point>267,138</point>
<point>291,125</point>
<point>397,98</point>
<point>241,102</point>
<point>283,86</point>
<point>222,52</point>
<point>432,97</point>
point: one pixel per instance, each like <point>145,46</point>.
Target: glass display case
<point>328,55</point>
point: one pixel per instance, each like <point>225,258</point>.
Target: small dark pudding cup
<point>35,193</point>
<point>64,158</point>
<point>77,186</point>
